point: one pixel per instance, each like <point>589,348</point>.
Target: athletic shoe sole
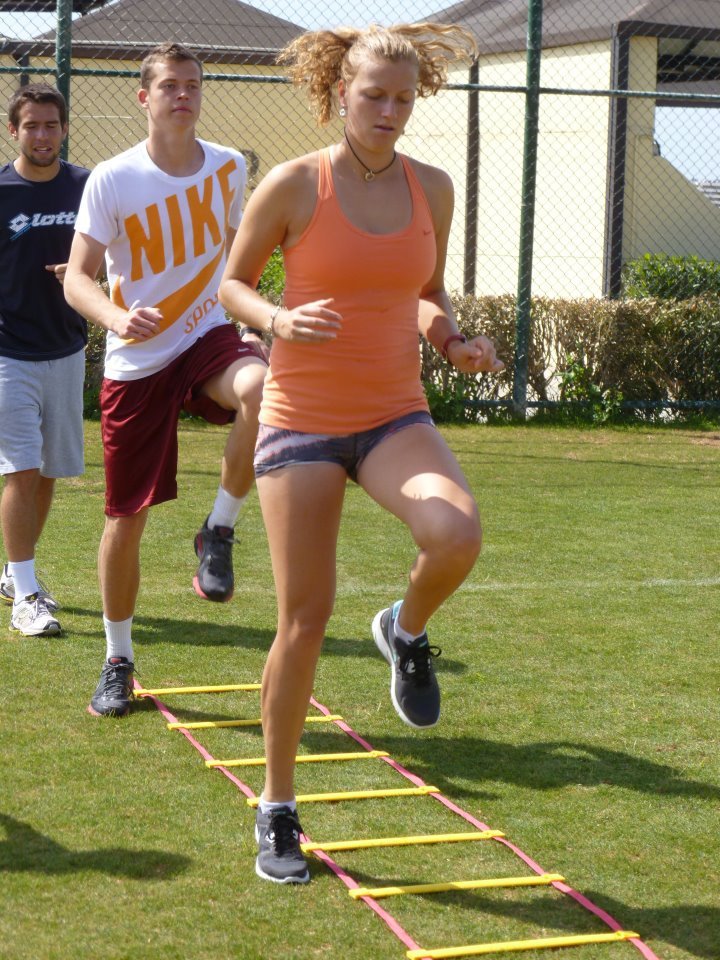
<point>305,878</point>
<point>53,631</point>
<point>113,713</point>
<point>382,645</point>
<point>200,593</point>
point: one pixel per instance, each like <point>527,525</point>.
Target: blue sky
<point>690,139</point>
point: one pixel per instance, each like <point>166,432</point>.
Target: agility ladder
<point>371,895</point>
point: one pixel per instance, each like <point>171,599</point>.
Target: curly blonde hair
<point>318,59</point>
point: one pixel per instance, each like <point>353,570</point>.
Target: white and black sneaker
<point>280,858</point>
<point>32,618</point>
<point>7,590</point>
<point>413,685</point>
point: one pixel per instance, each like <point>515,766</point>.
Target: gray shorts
<point>41,415</point>
<point>277,447</point>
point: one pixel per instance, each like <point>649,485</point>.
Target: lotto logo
<point>22,222</point>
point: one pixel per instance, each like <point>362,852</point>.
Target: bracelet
<point>253,330</point>
<point>451,339</point>
<point>273,318</point>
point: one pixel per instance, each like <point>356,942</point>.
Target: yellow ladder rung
<point>377,892</point>
<point>476,949</point>
<point>210,724</point>
<point>306,758</point>
<point>222,688</point>
<point>400,841</point>
<point>357,795</point>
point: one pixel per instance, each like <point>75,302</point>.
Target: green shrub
<point>594,357</point>
<point>665,277</point>
<point>272,282</point>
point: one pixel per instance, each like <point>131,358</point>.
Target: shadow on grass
<point>689,927</point>
<point>201,633</point>
<point>26,850</point>
<point>536,766</point>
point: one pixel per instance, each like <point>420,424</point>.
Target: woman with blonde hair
<point>364,233</point>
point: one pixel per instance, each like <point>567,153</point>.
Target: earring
<point>342,111</point>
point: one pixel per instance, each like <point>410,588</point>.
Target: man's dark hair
<point>165,51</point>
<point>36,93</point>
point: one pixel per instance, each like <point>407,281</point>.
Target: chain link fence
<point>584,146</point>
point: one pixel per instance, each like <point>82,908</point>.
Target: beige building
<point>604,195</point>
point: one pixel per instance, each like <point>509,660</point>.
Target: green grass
<point>580,715</point>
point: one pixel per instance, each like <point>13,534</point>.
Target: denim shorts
<point>41,427</point>
<point>277,447</point>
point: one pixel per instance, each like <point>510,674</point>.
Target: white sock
<point>226,509</point>
<point>399,631</point>
<point>265,806</point>
<point>117,638</point>
<point>23,575</point>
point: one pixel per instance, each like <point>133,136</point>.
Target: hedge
<point>590,355</point>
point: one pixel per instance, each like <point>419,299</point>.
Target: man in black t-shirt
<point>42,344</point>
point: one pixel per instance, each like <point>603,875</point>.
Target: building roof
<point>501,25</point>
<point>45,6</point>
<point>226,31</point>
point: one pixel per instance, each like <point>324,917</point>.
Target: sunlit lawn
<point>581,686</point>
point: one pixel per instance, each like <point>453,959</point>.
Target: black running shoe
<point>280,858</point>
<point>214,578</point>
<point>114,691</point>
<point>413,685</point>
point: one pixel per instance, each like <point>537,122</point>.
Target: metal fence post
<point>471,186</point>
<point>63,55</point>
<point>527,210</point>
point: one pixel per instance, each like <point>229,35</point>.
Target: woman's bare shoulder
<point>434,180</point>
<point>293,174</point>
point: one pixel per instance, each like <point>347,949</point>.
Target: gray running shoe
<point>7,590</point>
<point>33,619</point>
<point>413,686</point>
<point>214,578</point>
<point>280,858</point>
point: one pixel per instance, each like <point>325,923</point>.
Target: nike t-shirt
<point>165,239</point>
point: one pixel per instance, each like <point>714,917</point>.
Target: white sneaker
<point>32,617</point>
<point>7,590</point>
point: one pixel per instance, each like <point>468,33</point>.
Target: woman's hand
<point>310,323</point>
<point>475,356</point>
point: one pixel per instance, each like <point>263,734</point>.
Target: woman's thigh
<point>414,475</point>
<point>301,507</point>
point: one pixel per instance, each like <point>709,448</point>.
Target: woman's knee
<point>305,627</point>
<point>457,537</point>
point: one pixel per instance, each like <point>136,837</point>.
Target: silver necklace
<point>369,174</point>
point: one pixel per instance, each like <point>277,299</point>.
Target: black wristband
<point>253,330</point>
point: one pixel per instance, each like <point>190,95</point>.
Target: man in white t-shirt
<point>163,215</point>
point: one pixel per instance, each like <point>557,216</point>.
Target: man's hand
<point>58,269</point>
<point>138,324</point>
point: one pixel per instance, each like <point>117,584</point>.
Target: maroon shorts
<point>139,420</point>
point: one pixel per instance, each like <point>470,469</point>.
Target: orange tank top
<point>370,374</point>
